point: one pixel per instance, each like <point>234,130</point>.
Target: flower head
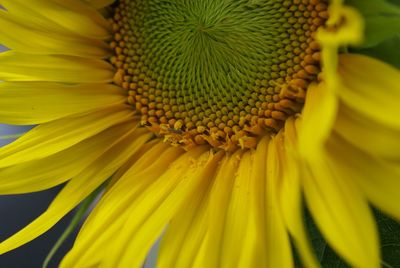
<point>210,121</point>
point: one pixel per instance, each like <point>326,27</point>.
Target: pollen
<point>217,72</point>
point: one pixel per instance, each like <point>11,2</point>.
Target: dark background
<point>16,211</point>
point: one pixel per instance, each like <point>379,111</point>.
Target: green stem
<point>76,220</point>
<point>12,136</point>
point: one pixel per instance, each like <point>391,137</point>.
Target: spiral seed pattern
<point>222,72</point>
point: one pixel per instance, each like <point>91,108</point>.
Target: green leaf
<point>382,19</point>
<point>387,51</point>
<point>326,256</point>
<point>390,240</point>
<point>374,7</point>
<point>389,231</point>
<point>76,220</point>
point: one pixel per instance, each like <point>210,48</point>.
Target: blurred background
<point>16,211</point>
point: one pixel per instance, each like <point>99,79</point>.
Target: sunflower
<point>211,124</point>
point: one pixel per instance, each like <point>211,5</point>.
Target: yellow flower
<point>212,119</point>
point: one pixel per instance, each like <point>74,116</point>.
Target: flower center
<point>216,71</point>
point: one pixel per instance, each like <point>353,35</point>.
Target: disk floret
<point>215,71</point>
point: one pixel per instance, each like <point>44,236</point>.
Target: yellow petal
<point>341,212</point>
<point>345,26</point>
<point>256,237</point>
<point>25,103</point>
<point>151,176</point>
<point>26,38</point>
<point>72,14</point>
<point>378,179</point>
<point>53,137</point>
<point>17,66</point>
<point>186,231</point>
<point>289,194</point>
<point>317,119</point>
<point>367,134</point>
<point>371,87</point>
<point>236,222</point>
<point>76,190</point>
<point>279,248</point>
<point>110,213</point>
<point>350,26</point>
<point>45,173</point>
<point>139,158</point>
<point>150,215</point>
<point>220,194</point>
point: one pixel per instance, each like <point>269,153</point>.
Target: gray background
<point>16,211</point>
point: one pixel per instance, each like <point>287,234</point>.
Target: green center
<point>211,48</point>
<point>218,71</point>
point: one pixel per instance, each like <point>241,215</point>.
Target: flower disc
<point>215,71</point>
